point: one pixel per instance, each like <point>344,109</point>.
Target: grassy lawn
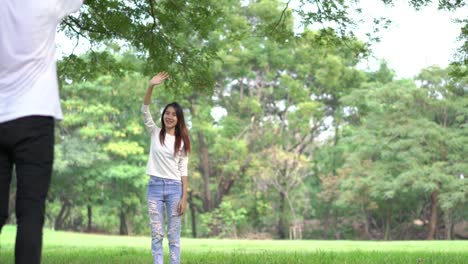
<point>64,247</point>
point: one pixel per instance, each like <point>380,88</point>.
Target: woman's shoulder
<point>156,131</point>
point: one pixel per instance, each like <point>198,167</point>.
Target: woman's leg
<point>174,220</point>
<point>156,214</point>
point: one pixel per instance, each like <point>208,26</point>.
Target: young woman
<point>167,168</point>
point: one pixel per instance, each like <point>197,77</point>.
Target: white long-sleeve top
<point>161,161</point>
<point>28,73</point>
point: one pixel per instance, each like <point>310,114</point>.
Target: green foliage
<point>224,222</point>
<point>168,35</point>
<point>402,147</point>
<point>95,64</point>
<point>383,75</point>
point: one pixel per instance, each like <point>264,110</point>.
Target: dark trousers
<point>27,143</point>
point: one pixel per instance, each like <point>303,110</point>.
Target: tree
<point>72,183</point>
<point>268,91</point>
<point>449,113</point>
<point>403,146</point>
<point>102,145</point>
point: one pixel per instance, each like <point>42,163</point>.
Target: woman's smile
<point>170,117</point>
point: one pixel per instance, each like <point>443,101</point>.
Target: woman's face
<point>170,118</point>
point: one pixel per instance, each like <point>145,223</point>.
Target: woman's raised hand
<point>158,78</point>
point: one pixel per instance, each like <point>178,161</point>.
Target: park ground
<point>74,248</point>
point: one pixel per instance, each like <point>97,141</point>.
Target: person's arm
<point>147,99</point>
<point>148,119</point>
<point>183,168</point>
<point>156,80</point>
<point>182,208</point>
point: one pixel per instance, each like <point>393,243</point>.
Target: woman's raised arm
<point>156,80</point>
<point>147,118</point>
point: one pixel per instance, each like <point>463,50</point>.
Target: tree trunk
<point>193,212</point>
<point>58,224</point>
<point>335,144</point>
<point>448,224</point>
<point>366,222</point>
<point>123,223</point>
<point>434,211</point>
<point>241,85</point>
<point>336,125</point>
<point>205,169</point>
<point>224,187</point>
<point>387,225</point>
<point>225,184</point>
<point>90,218</point>
<point>282,216</point>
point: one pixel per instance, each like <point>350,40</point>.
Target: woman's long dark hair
<point>181,131</point>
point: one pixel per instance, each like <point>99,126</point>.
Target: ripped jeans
<point>164,193</point>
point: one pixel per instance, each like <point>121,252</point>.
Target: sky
<point>415,40</point>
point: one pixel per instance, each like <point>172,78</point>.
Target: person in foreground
<point>29,102</point>
<point>167,168</point>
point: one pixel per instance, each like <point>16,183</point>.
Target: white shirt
<point>28,74</point>
<point>161,161</point>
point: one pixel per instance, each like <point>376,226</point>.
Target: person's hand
<point>158,78</point>
<point>182,206</point>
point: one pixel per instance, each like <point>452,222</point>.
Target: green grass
<point>71,248</point>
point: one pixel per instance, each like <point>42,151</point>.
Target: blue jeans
<point>164,193</point>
